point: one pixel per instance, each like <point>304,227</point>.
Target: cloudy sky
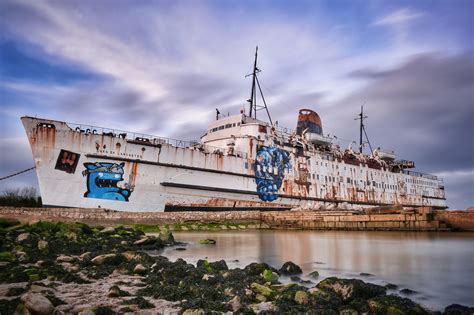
<point>162,67</point>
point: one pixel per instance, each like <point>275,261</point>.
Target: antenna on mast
<point>253,92</point>
<point>361,117</point>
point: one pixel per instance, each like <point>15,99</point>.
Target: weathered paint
<point>210,175</point>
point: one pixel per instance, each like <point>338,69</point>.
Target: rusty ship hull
<point>241,163</point>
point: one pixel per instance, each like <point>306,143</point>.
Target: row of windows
<point>420,182</point>
<point>224,127</point>
<point>353,169</point>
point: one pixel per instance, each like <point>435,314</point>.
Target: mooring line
<point>18,173</point>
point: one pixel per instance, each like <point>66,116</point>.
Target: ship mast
<point>253,92</point>
<point>361,117</point>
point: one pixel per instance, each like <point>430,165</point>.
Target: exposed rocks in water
<point>408,292</point>
<point>365,274</point>
<point>391,286</point>
<point>180,248</point>
<point>301,281</point>
<point>349,289</point>
<point>314,274</point>
<point>207,242</point>
<point>456,309</point>
<point>289,269</point>
<point>97,270</point>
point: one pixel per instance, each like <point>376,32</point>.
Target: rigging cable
<point>18,173</point>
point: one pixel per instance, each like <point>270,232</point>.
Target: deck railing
<point>147,138</point>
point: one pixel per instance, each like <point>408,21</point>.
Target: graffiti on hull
<point>103,179</point>
<point>271,164</point>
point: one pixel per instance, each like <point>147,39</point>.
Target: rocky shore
<point>74,268</point>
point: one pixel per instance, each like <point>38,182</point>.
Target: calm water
<point>439,266</point>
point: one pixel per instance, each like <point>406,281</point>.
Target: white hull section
<point>92,169</point>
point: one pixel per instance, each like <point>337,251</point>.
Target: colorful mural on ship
<point>103,179</point>
<point>271,164</point>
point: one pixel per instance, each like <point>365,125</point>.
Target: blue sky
<point>127,64</point>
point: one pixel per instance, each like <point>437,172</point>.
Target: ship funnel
<point>309,122</point>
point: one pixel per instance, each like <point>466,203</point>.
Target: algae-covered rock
<point>456,309</point>
<point>85,256</point>
<point>301,297</point>
<point>407,291</point>
<point>269,275</point>
<point>194,312</point>
<point>107,230</point>
<point>282,287</point>
<point>7,256</point>
<point>261,289</point>
<point>43,245</point>
<point>348,311</point>
<point>349,289</point>
<point>166,236</point>
<point>106,259</point>
<point>256,269</point>
<point>219,265</point>
<point>22,237</point>
<point>314,274</point>
<point>207,242</point>
<point>37,303</point>
<point>289,269</point>
<point>6,222</point>
<point>64,258</point>
<point>394,305</point>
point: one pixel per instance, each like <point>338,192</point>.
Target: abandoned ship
<point>241,163</point>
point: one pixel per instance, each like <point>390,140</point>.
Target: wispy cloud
<point>400,16</point>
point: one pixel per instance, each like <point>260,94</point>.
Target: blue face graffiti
<point>270,166</point>
<point>102,180</point>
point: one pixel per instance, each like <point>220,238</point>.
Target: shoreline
<point>75,268</point>
<point>387,219</point>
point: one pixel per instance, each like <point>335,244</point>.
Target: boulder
<point>107,230</point>
<point>407,292</point>
<point>349,289</point>
<point>269,275</point>
<point>392,304</point>
<point>261,289</point>
<point>43,245</point>
<point>194,312</point>
<point>301,297</point>
<point>103,259</point>
<point>219,265</point>
<point>314,274</point>
<point>235,303</point>
<point>37,303</point>
<point>144,241</point>
<point>140,269</point>
<point>22,237</point>
<point>256,269</point>
<point>85,256</point>
<point>456,309</point>
<point>166,236</point>
<point>64,258</point>
<point>289,268</point>
<point>114,291</point>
